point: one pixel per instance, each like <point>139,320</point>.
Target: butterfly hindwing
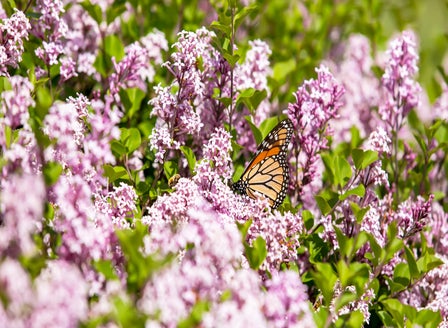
<point>268,173</point>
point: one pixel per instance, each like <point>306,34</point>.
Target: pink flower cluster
<point>317,102</point>
<point>13,31</point>
<point>401,91</point>
<point>58,296</point>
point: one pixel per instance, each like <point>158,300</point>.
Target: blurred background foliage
<point>303,33</point>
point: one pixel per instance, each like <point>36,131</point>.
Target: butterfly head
<point>240,187</point>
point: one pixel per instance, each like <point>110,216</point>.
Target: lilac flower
<point>20,219</point>
<point>244,308</point>
<point>119,205</point>
<point>401,91</point>
<point>61,296</point>
<point>213,253</point>
<point>256,68</point>
<point>379,141</point>
<point>83,34</point>
<point>49,52</point>
<point>155,42</point>
<point>22,155</point>
<point>281,235</point>
<point>85,64</point>
<point>371,223</point>
<point>50,25</point>
<point>62,124</point>
<point>374,174</point>
<point>252,73</point>
<point>217,152</point>
<point>287,301</point>
<point>16,102</point>
<point>412,216</point>
<point>181,112</point>
<point>160,141</point>
<point>129,71</point>
<point>431,291</point>
<point>13,31</point>
<point>437,235</point>
<point>16,288</point>
<point>440,108</point>
<point>81,152</point>
<point>317,102</point>
<point>361,86</point>
<point>68,69</point>
<point>361,304</point>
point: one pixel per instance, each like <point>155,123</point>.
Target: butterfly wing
<point>268,173</point>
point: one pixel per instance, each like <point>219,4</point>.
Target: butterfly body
<point>268,172</point>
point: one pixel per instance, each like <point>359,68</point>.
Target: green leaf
<point>251,98</point>
<point>239,17</point>
<point>139,267</point>
<point>395,309</point>
<point>132,139</point>
<point>113,47</point>
<point>51,171</point>
<point>170,168</point>
<point>283,69</point>
<point>401,277</point>
<point>413,268</point>
<point>363,158</point>
<point>94,11</point>
<point>324,207</point>
<point>428,262</point>
<point>101,64</point>
<point>326,200</point>
<point>135,97</point>
<point>355,319</point>
<point>217,26</point>
<point>244,228</point>
<point>231,59</point>
<point>428,318</point>
<point>358,211</point>
<point>342,170</point>
<point>118,148</point>
<point>190,156</point>
<point>256,253</point>
<point>359,190</point>
<point>106,268</point>
<point>325,279</point>
<point>114,172</point>
<point>116,9</point>
<point>196,314</point>
<point>255,131</point>
<point>308,219</point>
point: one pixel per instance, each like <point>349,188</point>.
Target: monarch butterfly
<point>268,173</point>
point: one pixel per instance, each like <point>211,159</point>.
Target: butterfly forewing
<point>268,173</point>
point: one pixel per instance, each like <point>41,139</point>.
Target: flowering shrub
<point>124,124</point>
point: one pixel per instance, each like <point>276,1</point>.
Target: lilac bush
<point>121,136</point>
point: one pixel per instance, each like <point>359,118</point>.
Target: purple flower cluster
<point>361,89</point>
<point>19,220</point>
<point>317,102</point>
<point>209,256</point>
<point>13,31</point>
<point>252,73</point>
<point>361,304</point>
<point>118,205</point>
<point>401,91</point>
<point>15,102</point>
<point>135,69</point>
<point>51,29</point>
<point>58,296</point>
